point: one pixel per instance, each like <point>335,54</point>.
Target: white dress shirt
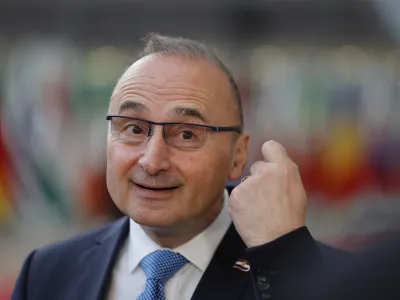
<point>129,279</point>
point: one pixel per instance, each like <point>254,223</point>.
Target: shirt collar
<point>199,250</point>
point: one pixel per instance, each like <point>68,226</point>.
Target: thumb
<point>274,152</point>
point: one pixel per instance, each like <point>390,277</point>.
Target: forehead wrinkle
<point>173,89</point>
<point>189,88</point>
<point>127,84</point>
<point>162,86</point>
<point>181,94</point>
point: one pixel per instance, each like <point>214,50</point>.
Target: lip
<point>155,187</point>
<point>153,193</point>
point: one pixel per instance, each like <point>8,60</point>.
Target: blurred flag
<point>37,109</point>
<point>7,182</point>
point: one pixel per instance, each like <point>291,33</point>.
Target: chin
<point>151,218</point>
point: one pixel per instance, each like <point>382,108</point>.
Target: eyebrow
<point>132,105</point>
<point>178,110</point>
<point>188,111</point>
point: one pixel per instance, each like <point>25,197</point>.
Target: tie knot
<point>162,264</point>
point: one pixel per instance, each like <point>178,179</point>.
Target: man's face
<point>183,185</point>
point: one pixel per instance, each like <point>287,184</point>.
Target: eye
<point>187,135</point>
<point>184,134</point>
<point>134,129</point>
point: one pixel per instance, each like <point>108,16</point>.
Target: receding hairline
<point>164,46</point>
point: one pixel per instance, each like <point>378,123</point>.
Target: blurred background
<point>321,77</point>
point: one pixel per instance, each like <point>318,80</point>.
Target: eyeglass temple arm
<point>230,128</point>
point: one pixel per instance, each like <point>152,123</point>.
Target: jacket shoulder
<point>77,243</point>
<point>333,255</point>
<point>49,270</point>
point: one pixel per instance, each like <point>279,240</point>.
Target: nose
<point>155,157</point>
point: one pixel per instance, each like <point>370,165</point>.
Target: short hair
<point>166,45</point>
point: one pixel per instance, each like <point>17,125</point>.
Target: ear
<point>239,156</point>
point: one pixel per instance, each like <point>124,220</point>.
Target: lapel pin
<point>242,265</point>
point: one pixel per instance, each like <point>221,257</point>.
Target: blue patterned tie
<point>159,267</point>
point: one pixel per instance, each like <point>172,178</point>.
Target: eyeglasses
<point>183,135</point>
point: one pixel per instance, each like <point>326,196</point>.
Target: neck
<point>174,236</point>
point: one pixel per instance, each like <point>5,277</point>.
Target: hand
<point>272,201</point>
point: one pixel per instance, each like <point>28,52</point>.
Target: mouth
<point>155,188</point>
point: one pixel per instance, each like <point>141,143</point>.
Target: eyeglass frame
<point>237,129</point>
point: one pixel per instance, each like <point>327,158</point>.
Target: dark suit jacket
<point>373,274</point>
<point>81,267</point>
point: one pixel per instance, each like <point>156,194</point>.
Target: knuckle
<point>232,209</point>
<point>284,169</point>
<point>264,168</point>
<point>255,167</point>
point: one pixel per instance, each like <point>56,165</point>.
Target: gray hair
<point>156,43</point>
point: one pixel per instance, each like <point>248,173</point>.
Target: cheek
<point>120,159</point>
<point>202,167</point>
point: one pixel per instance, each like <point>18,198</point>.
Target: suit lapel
<point>96,263</point>
<point>221,280</point>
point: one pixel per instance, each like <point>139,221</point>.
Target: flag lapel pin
<point>242,265</point>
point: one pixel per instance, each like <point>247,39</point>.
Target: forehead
<point>162,69</point>
<point>171,78</point>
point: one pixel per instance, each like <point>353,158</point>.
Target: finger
<point>256,167</point>
<point>274,152</point>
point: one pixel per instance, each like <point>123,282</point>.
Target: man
<point>175,137</point>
